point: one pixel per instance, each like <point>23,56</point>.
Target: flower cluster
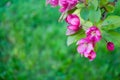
<point>86,45</point>
<point>65,5</point>
<point>93,33</point>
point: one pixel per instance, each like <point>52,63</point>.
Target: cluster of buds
<point>93,34</point>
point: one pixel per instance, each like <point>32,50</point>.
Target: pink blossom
<point>74,28</point>
<point>85,46</point>
<point>67,4</point>
<point>94,34</point>
<point>52,2</point>
<point>73,19</point>
<point>110,46</point>
<point>91,55</point>
<point>74,22</point>
<point>64,4</point>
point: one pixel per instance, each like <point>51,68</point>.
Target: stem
<point>105,40</point>
<point>104,13</point>
<point>61,17</point>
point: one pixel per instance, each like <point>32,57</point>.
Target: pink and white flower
<point>85,46</point>
<point>94,34</point>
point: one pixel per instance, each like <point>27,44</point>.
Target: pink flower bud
<point>110,46</point>
<point>73,19</point>
<point>74,22</point>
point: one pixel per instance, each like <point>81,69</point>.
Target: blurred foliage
<point>33,47</point>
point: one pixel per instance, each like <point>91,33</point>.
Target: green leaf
<point>103,2</point>
<point>112,36</point>
<point>117,8</point>
<point>93,4</point>
<point>110,8</point>
<point>84,13</point>
<point>117,29</point>
<point>72,10</point>
<point>95,15</point>
<point>114,33</point>
<point>87,24</point>
<point>111,22</point>
<point>80,5</point>
<point>74,38</point>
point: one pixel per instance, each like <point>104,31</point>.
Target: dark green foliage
<point>33,47</point>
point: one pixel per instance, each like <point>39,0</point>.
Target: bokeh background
<point>33,47</point>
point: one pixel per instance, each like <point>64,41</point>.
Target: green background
<point>33,47</point>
